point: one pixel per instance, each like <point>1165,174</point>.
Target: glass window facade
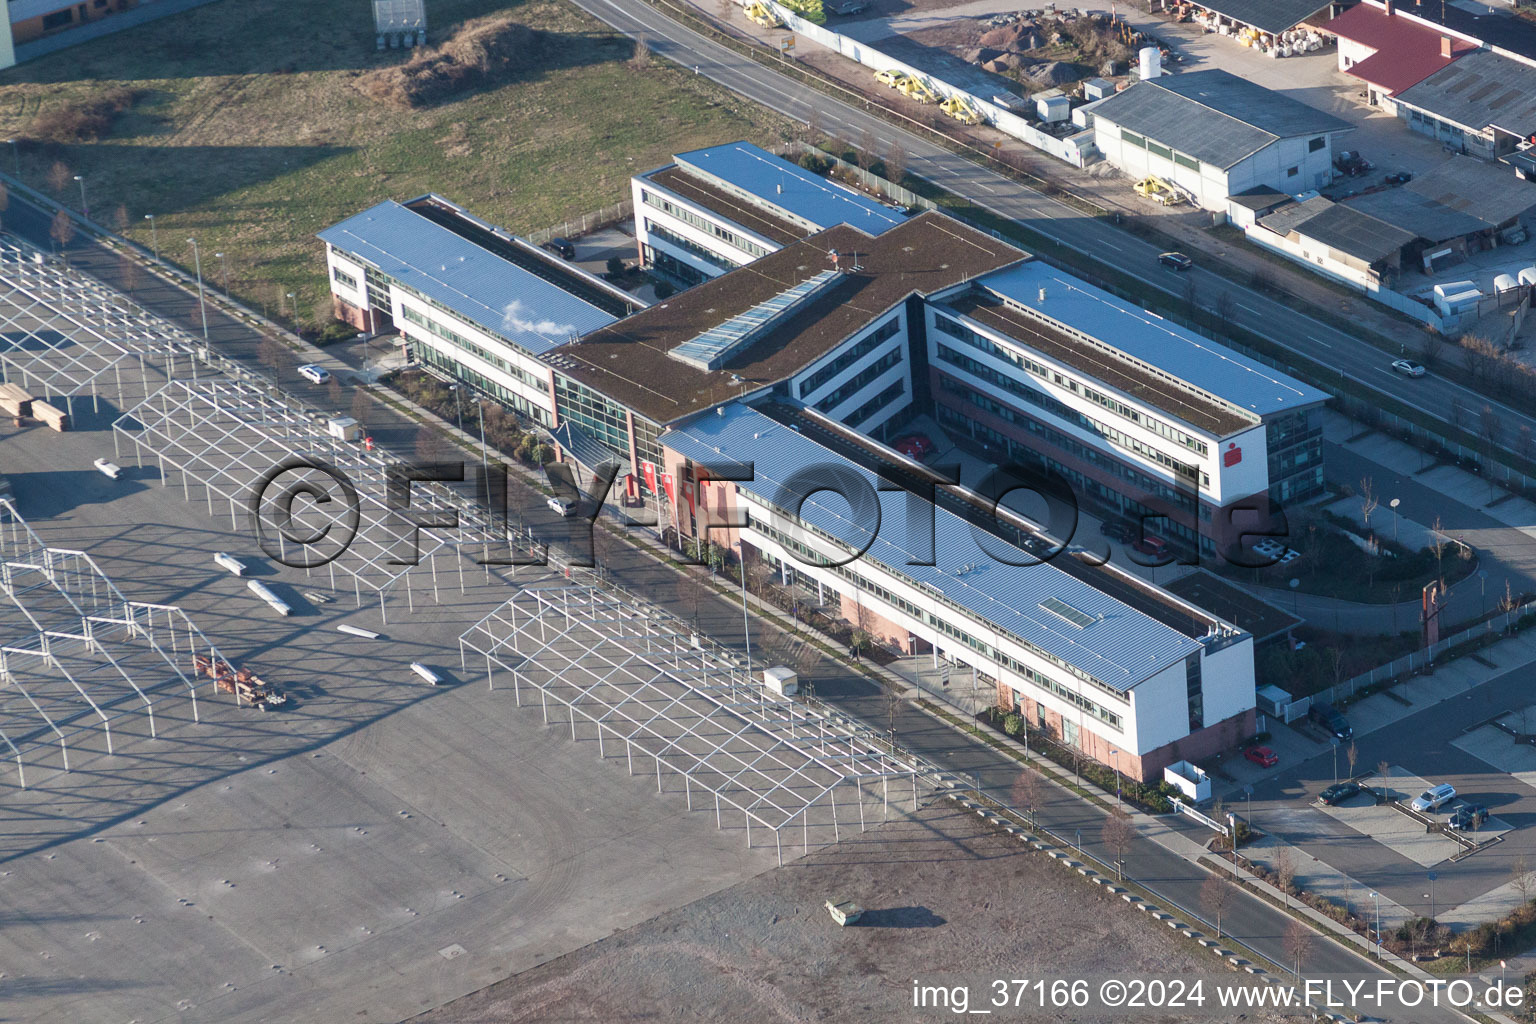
<point>594,413</point>
<point>687,216</point>
<point>846,358</point>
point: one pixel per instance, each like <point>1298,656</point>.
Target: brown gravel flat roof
<point>628,361</point>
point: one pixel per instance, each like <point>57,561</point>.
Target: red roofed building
<point>1391,51</point>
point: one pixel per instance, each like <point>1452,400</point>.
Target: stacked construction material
<point>15,402</point>
<point>49,414</point>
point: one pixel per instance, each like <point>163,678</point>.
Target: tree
<point>1437,542</point>
<point>1353,754</point>
<point>1285,872</point>
<point>1492,428</point>
<point>896,163</point>
<point>62,230</point>
<point>1522,878</point>
<point>1457,409</point>
<point>1432,347</point>
<point>59,176</point>
<point>1298,944</point>
<point>814,123</point>
<point>1384,772</point>
<point>333,392</point>
<point>270,352</point>
<point>119,219</point>
<point>1370,501</point>
<point>1118,834</point>
<point>5,197</point>
<point>615,265</point>
<point>1028,792</point>
<point>133,274</point>
<point>867,154</point>
<point>640,56</point>
<point>360,405</point>
<point>1191,295</point>
<point>1215,894</point>
<point>1224,309</point>
<point>426,444</point>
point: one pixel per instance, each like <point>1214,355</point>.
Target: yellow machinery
<point>914,88</point>
<point>1159,191</point>
<point>961,111</point>
<point>759,14</point>
<point>890,77</point>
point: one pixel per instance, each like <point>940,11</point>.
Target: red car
<point>914,446</point>
<point>1261,756</point>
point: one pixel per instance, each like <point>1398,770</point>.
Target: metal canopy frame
<point>226,436</point>
<point>76,650</point>
<point>635,675</point>
<point>67,332</point>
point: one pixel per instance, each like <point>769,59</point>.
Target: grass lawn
<point>251,134</point>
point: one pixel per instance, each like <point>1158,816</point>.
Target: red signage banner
<point>669,484</point>
<point>648,470</point>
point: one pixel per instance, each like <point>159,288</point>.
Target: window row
<point>688,245</point>
<point>436,327</point>
<point>859,381</point>
<point>861,348</point>
<point>687,216</point>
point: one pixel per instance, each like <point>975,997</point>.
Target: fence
<point>1408,664</point>
<point>587,222</point>
<point>1076,149</point>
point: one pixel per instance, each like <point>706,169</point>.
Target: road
<point>1273,319</point>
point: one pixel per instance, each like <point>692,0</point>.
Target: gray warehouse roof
<point>1478,90</point>
<point>1266,15</point>
<point>1357,234</point>
<point>1289,217</point>
<point>1120,646</point>
<point>480,286</point>
<point>1490,192</point>
<point>1410,211</point>
<point>1213,115</point>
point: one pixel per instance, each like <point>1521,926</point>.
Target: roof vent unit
<point>1151,62</point>
<point>1042,296</point>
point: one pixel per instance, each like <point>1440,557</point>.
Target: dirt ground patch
<point>945,897</point>
<point>249,131</point>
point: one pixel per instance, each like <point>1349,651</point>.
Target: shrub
<point>479,53</point>
<point>1012,724</point>
<point>664,290</point>
<point>84,120</point>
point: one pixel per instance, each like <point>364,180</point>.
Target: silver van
<point>561,508</point>
<point>1433,798</point>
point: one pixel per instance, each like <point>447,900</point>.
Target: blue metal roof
<point>1120,646</point>
<point>777,182</point>
<point>478,285</point>
<point>1162,345</point>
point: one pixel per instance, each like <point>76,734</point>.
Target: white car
<point>1433,798</point>
<point>561,508</point>
<point>1407,368</point>
<point>317,374</point>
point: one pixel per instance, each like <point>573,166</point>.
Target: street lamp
<point>1393,505</point>
<point>458,406</point>
<point>1431,895</point>
<point>1376,898</point>
<point>154,236</point>
<point>85,211</point>
<point>293,307</point>
<point>224,271</point>
<point>1482,597</point>
<point>1333,741</point>
<point>1114,756</point>
<point>201,304</point>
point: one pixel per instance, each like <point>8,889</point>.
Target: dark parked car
<point>1116,530</point>
<point>1339,792</point>
<point>1327,716</point>
<point>1176,260</point>
<point>1468,817</point>
<point>1399,178</point>
<point>561,247</point>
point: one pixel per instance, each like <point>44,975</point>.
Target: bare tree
<point>1191,295</point>
<point>1225,305</point>
<point>1384,772</point>
<point>1522,878</point>
<point>1118,833</point>
<point>59,176</point>
<point>1492,428</point>
<point>1215,894</point>
<point>270,352</point>
<point>1437,542</point>
<point>333,392</point>
<point>1352,753</point>
<point>1370,501</point>
<point>62,230</point>
<point>426,444</point>
<point>360,405</point>
<point>1298,944</point>
<point>1028,792</point>
<point>896,163</point>
<point>1457,411</point>
<point>1432,348</point>
<point>867,151</point>
<point>814,127</point>
<point>133,274</point>
<point>1285,872</point>
<point>640,56</point>
<point>119,219</point>
<point>5,197</point>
